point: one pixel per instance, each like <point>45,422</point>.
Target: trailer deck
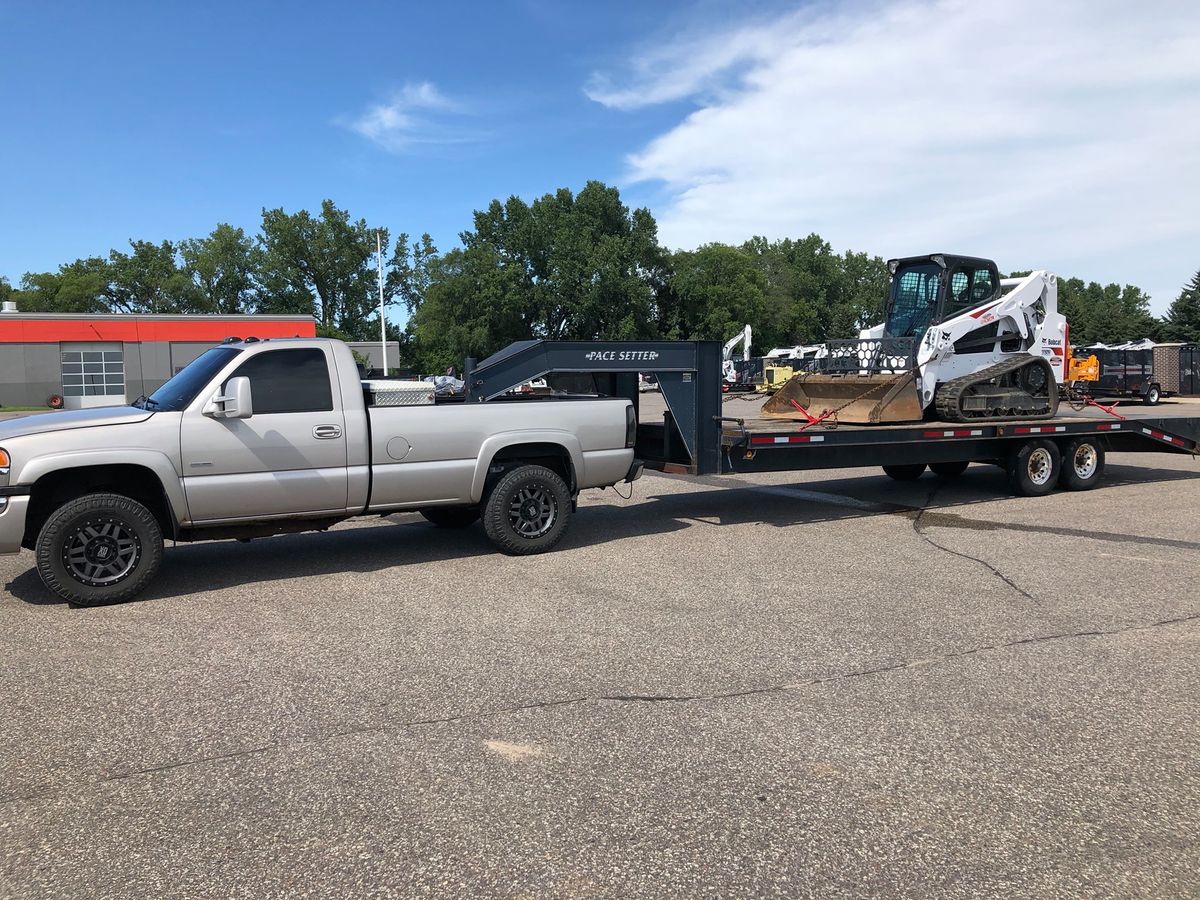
<point>697,430</point>
<point>757,443</point>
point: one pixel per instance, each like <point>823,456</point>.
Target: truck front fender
<point>155,461</point>
<point>568,442</point>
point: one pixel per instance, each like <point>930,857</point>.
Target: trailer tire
<point>1152,396</point>
<point>527,510</point>
<point>948,469</point>
<point>99,549</point>
<point>1033,470</point>
<point>450,516</point>
<point>1082,464</point>
<point>907,472</point>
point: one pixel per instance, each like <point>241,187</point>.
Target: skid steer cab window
<point>969,287</point>
<point>913,301</point>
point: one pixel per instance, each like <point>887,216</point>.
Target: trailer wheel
<point>1033,469</point>
<point>1152,396</point>
<point>1082,464</point>
<point>527,510</point>
<point>905,472</point>
<point>451,516</point>
<point>99,548</point>
<point>948,469</point>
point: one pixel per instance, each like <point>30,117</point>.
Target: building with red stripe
<point>104,360</point>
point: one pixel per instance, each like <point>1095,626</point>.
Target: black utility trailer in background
<point>1148,372</point>
<point>703,432</point>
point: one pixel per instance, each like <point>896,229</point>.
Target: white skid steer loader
<point>958,343</point>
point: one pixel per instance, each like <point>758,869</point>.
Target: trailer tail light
<point>630,426</point>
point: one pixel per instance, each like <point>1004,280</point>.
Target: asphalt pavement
<point>801,684</point>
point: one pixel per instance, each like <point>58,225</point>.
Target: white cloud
<point>1062,134</point>
<point>417,113</point>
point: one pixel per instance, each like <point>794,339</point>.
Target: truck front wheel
<point>527,510</point>
<point>99,548</point>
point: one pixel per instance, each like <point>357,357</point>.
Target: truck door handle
<point>325,432</point>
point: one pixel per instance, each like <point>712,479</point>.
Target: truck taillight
<point>630,426</point>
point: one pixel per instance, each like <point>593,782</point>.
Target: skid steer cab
<point>958,343</point>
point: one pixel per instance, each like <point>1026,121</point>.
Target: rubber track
<point>949,395</point>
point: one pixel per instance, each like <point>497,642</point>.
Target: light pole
<point>382,321</point>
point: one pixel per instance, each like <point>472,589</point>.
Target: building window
<point>93,373</point>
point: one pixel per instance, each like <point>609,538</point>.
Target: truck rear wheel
<point>527,510</point>
<point>99,548</point>
<point>905,472</point>
<point>1033,469</point>
<point>1082,464</point>
<point>451,516</point>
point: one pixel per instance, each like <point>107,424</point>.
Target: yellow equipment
<point>775,376</point>
<point>1083,369</point>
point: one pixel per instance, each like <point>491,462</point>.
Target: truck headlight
<point>4,462</point>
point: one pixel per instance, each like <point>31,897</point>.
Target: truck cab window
<point>288,381</point>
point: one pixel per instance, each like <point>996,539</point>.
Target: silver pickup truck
<point>257,438</point>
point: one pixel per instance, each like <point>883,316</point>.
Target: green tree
<point>820,294</point>
<point>1105,313</point>
<point>321,265</point>
<point>410,271</point>
<point>149,280</point>
<point>565,267</point>
<point>1182,322</point>
<point>717,289</point>
<point>224,269</point>
<point>81,286</point>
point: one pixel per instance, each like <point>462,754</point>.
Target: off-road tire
<point>127,549</point>
<point>509,517</point>
<point>948,469</point>
<point>906,472</point>
<point>1033,468</point>
<point>1082,464</point>
<point>451,516</point>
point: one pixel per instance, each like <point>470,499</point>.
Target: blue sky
<point>1044,135</point>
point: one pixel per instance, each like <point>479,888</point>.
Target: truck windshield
<point>913,301</point>
<point>182,389</point>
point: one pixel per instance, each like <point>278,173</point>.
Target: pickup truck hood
<point>75,418</point>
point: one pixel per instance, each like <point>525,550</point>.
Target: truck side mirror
<point>235,403</point>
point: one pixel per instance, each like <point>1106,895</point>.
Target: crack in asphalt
<point>920,532</point>
<point>789,687</point>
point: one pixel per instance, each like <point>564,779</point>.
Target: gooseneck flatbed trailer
<point>704,431</point>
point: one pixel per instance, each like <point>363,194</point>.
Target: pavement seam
<point>622,698</point>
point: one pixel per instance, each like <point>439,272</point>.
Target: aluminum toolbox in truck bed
<point>398,393</point>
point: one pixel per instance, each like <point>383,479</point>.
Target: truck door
<point>288,458</point>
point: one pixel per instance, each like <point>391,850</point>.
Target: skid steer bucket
<point>853,399</point>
